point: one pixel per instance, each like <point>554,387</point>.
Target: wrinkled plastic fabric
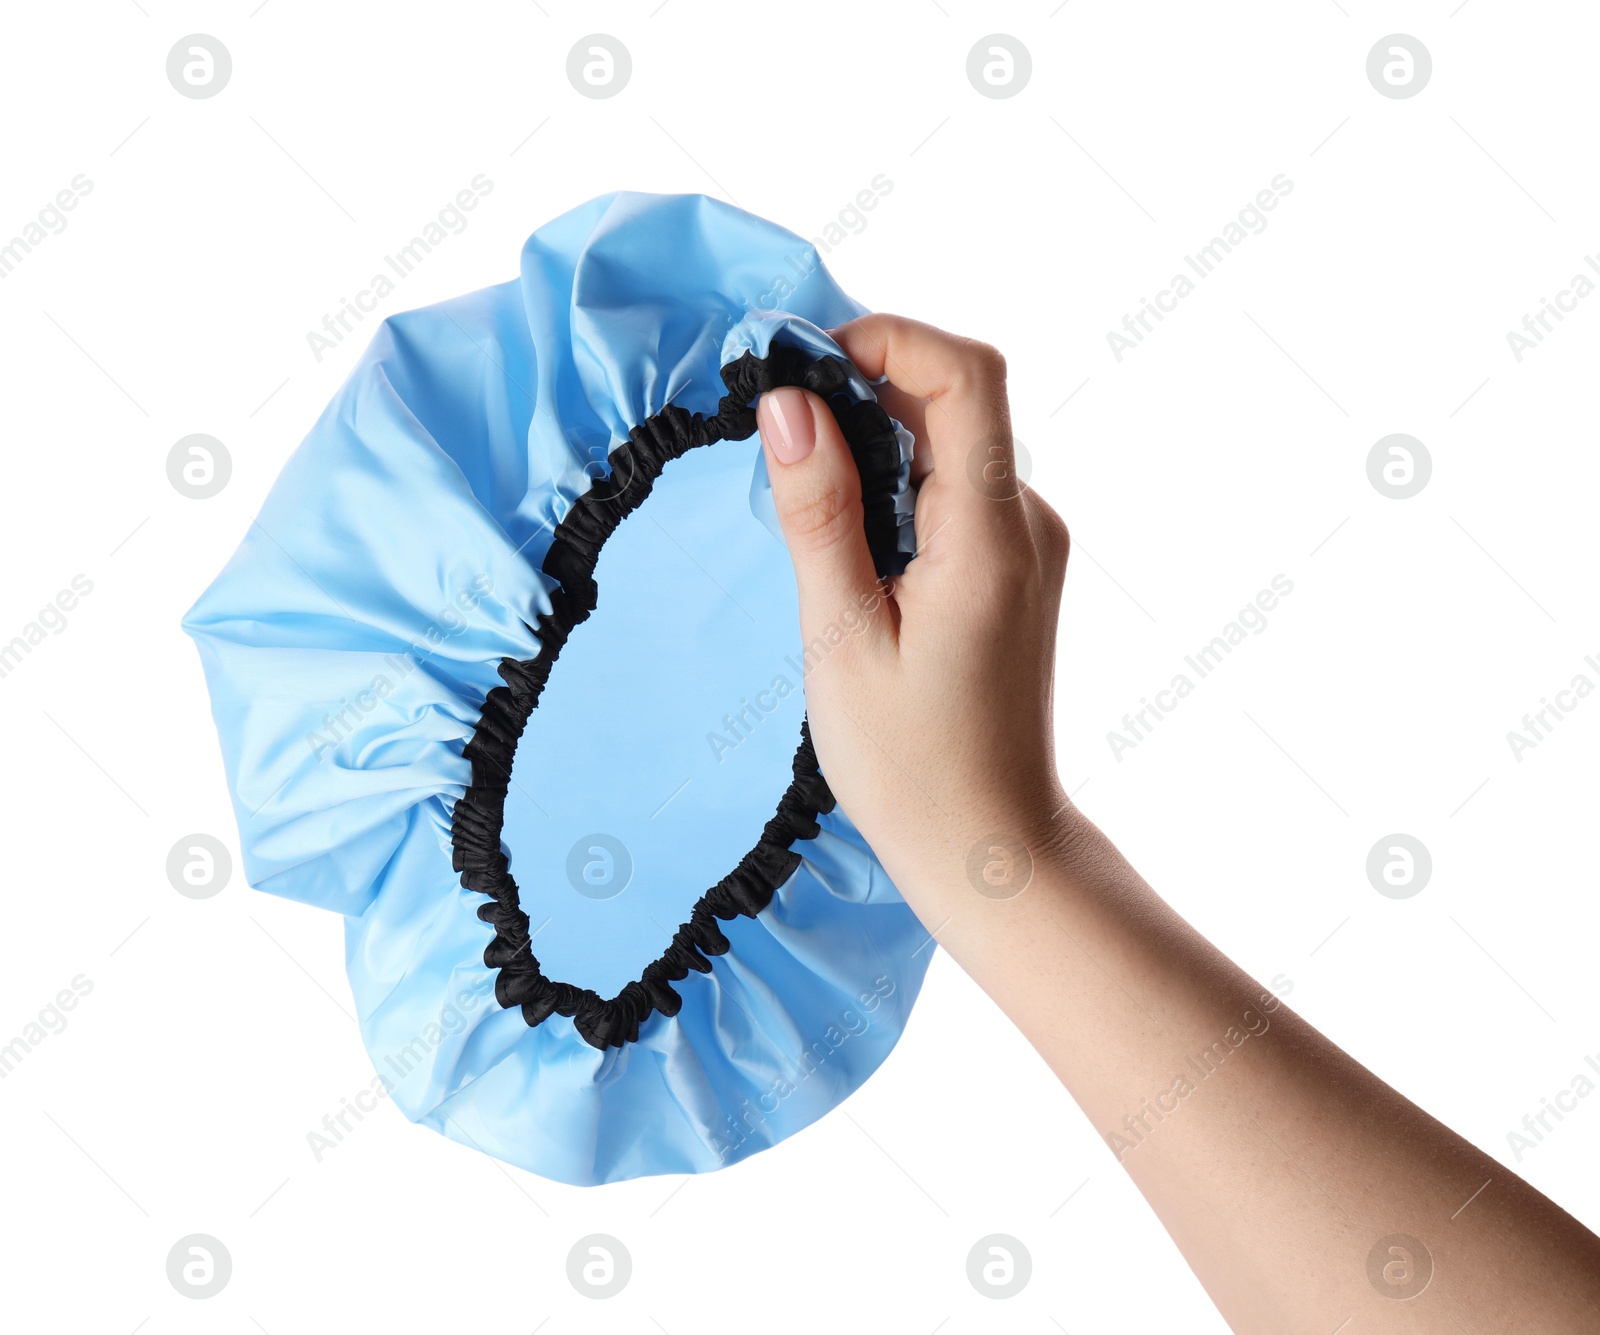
<point>350,642</point>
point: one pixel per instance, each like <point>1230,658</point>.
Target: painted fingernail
<point>784,420</point>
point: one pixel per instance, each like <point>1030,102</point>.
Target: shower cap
<point>521,847</point>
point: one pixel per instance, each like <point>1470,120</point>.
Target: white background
<point>1230,447</point>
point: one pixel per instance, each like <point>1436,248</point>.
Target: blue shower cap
<point>511,838</point>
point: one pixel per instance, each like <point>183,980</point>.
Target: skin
<point>1277,1173</point>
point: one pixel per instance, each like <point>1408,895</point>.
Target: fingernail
<point>784,420</point>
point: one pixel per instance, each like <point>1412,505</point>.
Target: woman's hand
<point>930,706</point>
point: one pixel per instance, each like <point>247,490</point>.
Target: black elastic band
<point>479,816</point>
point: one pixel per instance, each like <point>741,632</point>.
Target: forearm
<point>1275,1161</point>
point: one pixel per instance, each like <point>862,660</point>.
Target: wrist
<point>983,848</point>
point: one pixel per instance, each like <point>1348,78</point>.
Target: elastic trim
<point>479,817</point>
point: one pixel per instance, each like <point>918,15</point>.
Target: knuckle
<point>980,369</point>
<point>1054,537</point>
<point>1059,537</point>
<point>1060,555</point>
<point>989,360</point>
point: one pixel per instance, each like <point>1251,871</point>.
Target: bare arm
<point>1301,1189</point>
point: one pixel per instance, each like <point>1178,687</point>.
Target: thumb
<point>817,491</point>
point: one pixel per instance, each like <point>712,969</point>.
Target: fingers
<point>912,413</point>
<point>817,491</point>
<point>966,417</point>
<point>917,357</point>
